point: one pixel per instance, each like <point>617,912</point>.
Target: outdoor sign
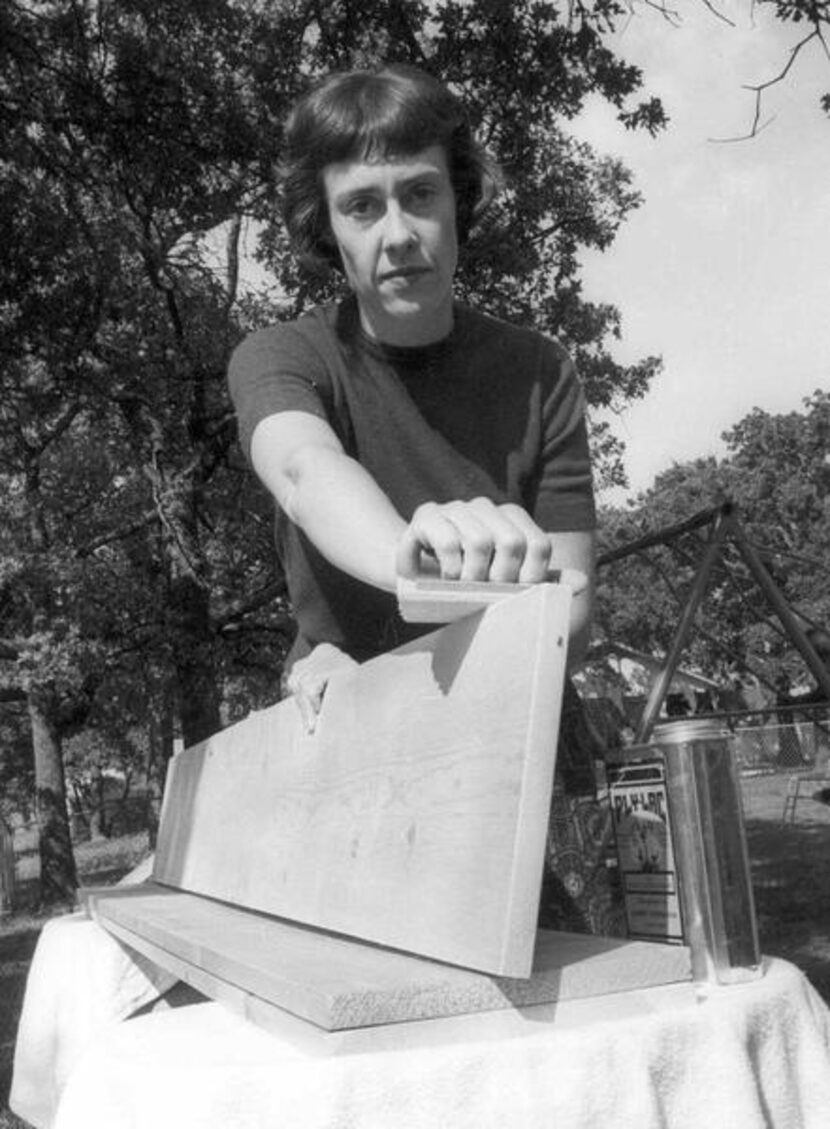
<point>639,804</point>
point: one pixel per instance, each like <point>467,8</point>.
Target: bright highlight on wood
<point>312,875</point>
<point>415,815</point>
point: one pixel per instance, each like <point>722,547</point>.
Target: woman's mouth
<point>404,274</point>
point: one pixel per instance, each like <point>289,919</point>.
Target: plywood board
<point>415,815</point>
<point>263,967</point>
<point>428,599</point>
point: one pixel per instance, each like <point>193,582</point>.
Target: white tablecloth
<point>753,1056</point>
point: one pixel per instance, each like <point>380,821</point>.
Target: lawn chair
<point>818,778</point>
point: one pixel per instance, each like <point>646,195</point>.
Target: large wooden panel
<point>262,967</point>
<point>414,816</point>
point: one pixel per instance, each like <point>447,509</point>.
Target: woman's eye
<point>361,207</point>
<point>422,193</point>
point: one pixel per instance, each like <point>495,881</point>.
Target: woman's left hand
<point>309,677</point>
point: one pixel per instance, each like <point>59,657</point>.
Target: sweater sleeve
<point>564,492</point>
<point>276,370</point>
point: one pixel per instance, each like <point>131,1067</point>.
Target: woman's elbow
<point>580,630</point>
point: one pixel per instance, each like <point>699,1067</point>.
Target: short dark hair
<point>396,111</point>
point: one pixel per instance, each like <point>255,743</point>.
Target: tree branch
<point>119,534</point>
<point>232,250</point>
<point>246,604</point>
<point>64,420</point>
<point>761,88</point>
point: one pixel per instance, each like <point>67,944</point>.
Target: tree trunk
<point>97,813</point>
<point>58,877</point>
<point>189,622</point>
<point>193,655</point>
<point>160,752</point>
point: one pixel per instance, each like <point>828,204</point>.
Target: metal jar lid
<point>683,729</point>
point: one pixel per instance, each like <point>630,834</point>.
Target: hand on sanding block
<point>432,599</point>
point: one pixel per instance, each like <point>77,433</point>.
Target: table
<point>747,1056</point>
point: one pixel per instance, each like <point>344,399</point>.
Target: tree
<point>776,473</point>
<point>133,137</point>
<point>779,476</point>
<point>113,357</point>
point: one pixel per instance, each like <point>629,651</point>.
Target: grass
<point>790,879</point>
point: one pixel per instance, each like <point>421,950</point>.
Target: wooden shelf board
<point>262,967</point>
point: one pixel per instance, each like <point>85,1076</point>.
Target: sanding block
<point>431,599</point>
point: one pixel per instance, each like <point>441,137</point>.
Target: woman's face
<point>393,221</point>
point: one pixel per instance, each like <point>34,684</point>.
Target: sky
<point>725,269</point>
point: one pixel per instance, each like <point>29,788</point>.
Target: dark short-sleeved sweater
<point>492,410</point>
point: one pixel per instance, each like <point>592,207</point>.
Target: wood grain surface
<point>415,816</point>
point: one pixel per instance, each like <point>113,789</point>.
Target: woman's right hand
<point>475,540</point>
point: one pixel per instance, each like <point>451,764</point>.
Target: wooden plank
<point>414,816</point>
<point>262,967</point>
<point>428,599</point>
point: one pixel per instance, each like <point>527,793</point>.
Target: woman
<point>399,431</point>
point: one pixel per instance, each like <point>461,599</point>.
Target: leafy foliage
<point>137,138</point>
<point>777,474</point>
<point>133,131</point>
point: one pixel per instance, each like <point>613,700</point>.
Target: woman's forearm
<point>336,503</point>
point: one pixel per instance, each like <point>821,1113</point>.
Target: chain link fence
<point>801,741</point>
<point>785,762</point>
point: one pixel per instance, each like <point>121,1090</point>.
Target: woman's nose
<point>398,230</point>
